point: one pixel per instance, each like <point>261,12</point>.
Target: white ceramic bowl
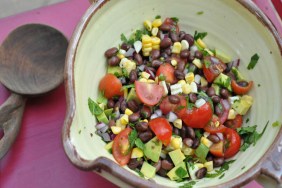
<point>238,27</point>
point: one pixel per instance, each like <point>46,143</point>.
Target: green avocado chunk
<point>153,149</point>
<point>102,118</point>
<point>178,172</point>
<point>115,70</point>
<point>242,105</point>
<point>223,81</point>
<point>148,170</point>
<point>176,156</point>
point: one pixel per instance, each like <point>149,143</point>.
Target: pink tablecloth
<point>37,158</point>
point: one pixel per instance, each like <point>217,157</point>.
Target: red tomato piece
<point>217,149</point>
<point>149,93</point>
<point>162,129</point>
<point>214,126</point>
<point>197,117</point>
<point>169,21</point>
<point>167,70</point>
<point>121,147</point>
<point>241,90</point>
<point>166,106</point>
<point>234,123</point>
<point>232,142</point>
<point>212,67</point>
<point>111,86</point>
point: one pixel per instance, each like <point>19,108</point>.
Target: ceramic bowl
<point>238,27</point>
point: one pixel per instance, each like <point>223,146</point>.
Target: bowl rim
<point>103,163</point>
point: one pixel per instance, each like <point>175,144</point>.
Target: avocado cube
<point>115,70</point>
<point>243,105</point>
<point>153,149</point>
<point>237,73</point>
<point>132,96</point>
<point>176,156</point>
<point>216,89</point>
<point>223,81</point>
<point>148,170</point>
<point>178,172</point>
<point>108,112</point>
<point>102,118</point>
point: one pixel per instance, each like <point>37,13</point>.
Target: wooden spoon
<point>32,61</point>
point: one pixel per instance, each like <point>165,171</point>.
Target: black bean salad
<point>170,105</point>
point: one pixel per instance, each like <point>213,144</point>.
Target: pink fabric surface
<point>37,158</point>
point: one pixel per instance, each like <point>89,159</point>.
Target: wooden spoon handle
<point>11,113</point>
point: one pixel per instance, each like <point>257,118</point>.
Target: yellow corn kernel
<point>129,66</point>
<point>182,82</point>
<point>198,63</point>
<point>150,81</point>
<point>128,112</point>
<point>137,153</point>
<point>156,47</point>
<point>199,165</point>
<point>156,40</point>
<point>120,56</point>
<point>173,62</point>
<point>109,145</point>
<point>142,80</point>
<point>206,141</point>
<point>147,50</point>
<point>187,151</point>
<point>176,48</point>
<point>189,77</point>
<point>201,43</point>
<point>116,129</point>
<point>178,123</point>
<point>148,25</point>
<point>157,22</point>
<point>176,142</point>
<point>231,114</point>
<point>146,39</point>
<point>155,31</point>
<point>146,54</point>
<point>186,88</point>
<point>147,45</point>
<point>157,79</point>
<point>124,119</point>
<point>204,82</point>
<point>145,120</point>
<point>145,75</point>
<point>216,124</point>
<point>209,165</point>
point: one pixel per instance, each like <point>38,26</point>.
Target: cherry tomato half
<point>241,90</point>
<point>232,142</point>
<point>212,67</point>
<point>217,149</point>
<point>162,129</point>
<point>111,86</point>
<point>166,106</point>
<point>167,70</point>
<point>234,123</point>
<point>149,93</point>
<point>214,126</point>
<point>121,147</point>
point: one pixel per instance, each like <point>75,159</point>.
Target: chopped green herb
<point>243,168</point>
<point>253,62</point>
<point>188,185</point>
<point>101,98</point>
<point>276,124</point>
<point>180,107</point>
<point>198,133</point>
<point>132,137</point>
<point>258,85</point>
<point>158,17</point>
<point>139,144</point>
<point>201,152</point>
<point>247,120</point>
<point>175,19</point>
<point>79,132</point>
<point>207,63</point>
<point>200,35</point>
<point>250,136</point>
<point>124,72</point>
<point>94,107</point>
<point>162,77</point>
<point>128,86</point>
<point>139,173</point>
<point>204,96</point>
<point>123,38</point>
<point>221,176</point>
<point>190,106</point>
<point>222,169</point>
<point>181,172</point>
<point>200,12</point>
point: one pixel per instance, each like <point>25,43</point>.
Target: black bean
<point>201,173</point>
<point>190,39</point>
<point>125,46</point>
<point>243,83</point>
<point>218,161</point>
<point>165,27</point>
<point>224,93</point>
<point>134,117</point>
<point>165,43</point>
<point>168,51</point>
<point>162,172</point>
<point>174,99</point>
<point>190,132</point>
<point>183,132</point>
<point>203,88</point>
<point>181,35</point>
<point>184,53</point>
<point>191,58</point>
<point>111,123</point>
<point>164,55</point>
<point>188,142</point>
<point>168,88</point>
<point>113,61</point>
<point>158,165</point>
<point>215,99</point>
<point>141,126</point>
<point>111,103</point>
<point>166,165</point>
<point>192,97</point>
<point>155,54</point>
<point>111,52</point>
<point>209,157</point>
<point>179,75</point>
<point>123,106</point>
<point>145,112</point>
<point>196,143</point>
<point>211,91</point>
<point>176,131</point>
<point>146,136</point>
<point>117,105</point>
<point>134,163</point>
<point>213,138</point>
<point>133,105</point>
<point>198,54</point>
<point>218,109</point>
<point>138,58</point>
<point>122,80</point>
<point>156,63</point>
<point>174,37</point>
<point>133,76</point>
<point>149,68</point>
<point>181,65</point>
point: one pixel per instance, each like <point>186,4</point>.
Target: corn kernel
<point>176,48</point>
<point>124,119</point>
<point>128,112</point>
<point>146,39</point>
<point>156,40</point>
<point>231,114</point>
<point>178,123</point>
<point>216,124</point>
<point>201,43</point>
<point>147,50</point>
<point>137,153</point>
<point>146,54</point>
<point>148,25</point>
<point>145,120</point>
<point>187,151</point>
<point>116,129</point>
<point>176,142</point>
<point>155,31</point>
<point>206,142</point>
<point>120,56</point>
<point>156,47</point>
<point>209,165</point>
<point>189,77</point>
<point>173,62</point>
<point>184,45</point>
<point>186,88</point>
<point>204,82</point>
<point>142,80</point>
<point>147,45</point>
<point>150,81</point>
<point>199,165</point>
<point>145,75</point>
<point>198,63</point>
<point>129,66</point>
<point>157,23</point>
<point>182,82</point>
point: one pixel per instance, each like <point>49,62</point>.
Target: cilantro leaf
<point>175,19</point>
<point>200,35</point>
<point>123,38</point>
<point>221,171</point>
<point>253,62</point>
<point>128,86</point>
<point>188,185</point>
<point>198,133</point>
<point>132,137</point>
<point>94,107</point>
<point>207,63</point>
<point>158,17</point>
<point>181,172</point>
<point>139,144</point>
<point>200,12</point>
<point>101,98</point>
<point>276,124</point>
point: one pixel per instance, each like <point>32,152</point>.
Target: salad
<point>170,105</point>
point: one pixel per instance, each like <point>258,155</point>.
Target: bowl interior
<point>231,28</point>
